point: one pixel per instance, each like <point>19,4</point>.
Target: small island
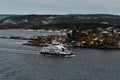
<point>101,38</point>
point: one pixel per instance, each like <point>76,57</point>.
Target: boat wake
<point>19,51</point>
<point>69,56</point>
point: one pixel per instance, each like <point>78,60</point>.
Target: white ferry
<point>56,49</point>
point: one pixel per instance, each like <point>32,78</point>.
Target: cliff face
<point>56,19</point>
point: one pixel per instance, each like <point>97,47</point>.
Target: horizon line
<point>59,14</point>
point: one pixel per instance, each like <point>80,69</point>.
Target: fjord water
<point>21,62</point>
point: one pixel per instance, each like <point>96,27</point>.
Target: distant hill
<point>3,16</point>
<point>58,19</point>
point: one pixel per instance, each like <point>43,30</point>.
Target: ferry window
<point>62,49</point>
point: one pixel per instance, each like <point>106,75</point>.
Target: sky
<point>60,7</point>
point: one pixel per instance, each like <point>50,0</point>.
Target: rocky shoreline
<point>91,47</point>
<point>15,37</point>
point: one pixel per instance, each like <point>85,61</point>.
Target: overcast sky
<point>60,7</point>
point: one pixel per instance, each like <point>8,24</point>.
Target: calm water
<point>21,62</point>
<point>24,33</point>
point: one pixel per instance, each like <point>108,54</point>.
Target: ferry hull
<point>56,54</point>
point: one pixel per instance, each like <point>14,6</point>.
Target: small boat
<point>57,49</point>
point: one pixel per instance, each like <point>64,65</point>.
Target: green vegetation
<point>71,26</point>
